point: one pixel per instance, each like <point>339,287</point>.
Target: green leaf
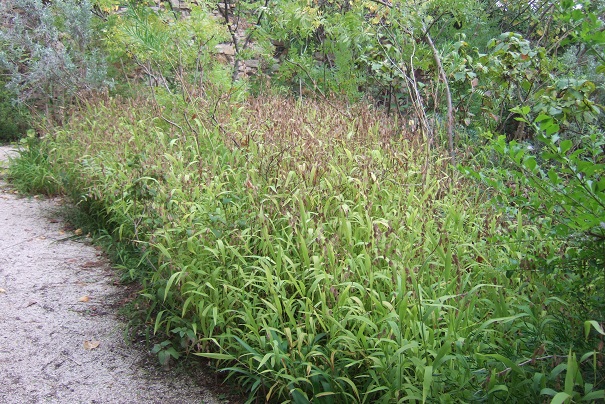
<point>553,176</point>
<point>548,392</point>
<point>267,356</point>
<point>459,76</point>
<point>571,373</point>
<point>214,355</point>
<point>530,163</point>
<point>503,320</point>
<point>594,396</point>
<point>170,282</point>
<point>565,146</point>
<point>172,352</point>
<point>542,117</point>
<point>427,382</point>
<point>164,251</point>
<point>497,388</point>
<point>560,398</point>
<point>298,396</point>
<point>552,129</point>
<point>594,324</point>
<point>245,345</point>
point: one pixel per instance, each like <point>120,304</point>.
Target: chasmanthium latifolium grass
<point>317,256</point>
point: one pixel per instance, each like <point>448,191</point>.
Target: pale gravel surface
<point>43,325</point>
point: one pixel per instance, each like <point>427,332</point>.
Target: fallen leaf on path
<point>84,299</point>
<point>88,345</point>
<point>2,290</point>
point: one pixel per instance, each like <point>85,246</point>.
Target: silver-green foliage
<point>48,51</point>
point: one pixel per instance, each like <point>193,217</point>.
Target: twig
<point>384,3</point>
<point>19,243</point>
<point>73,360</point>
<point>258,21</point>
<point>505,371</point>
<point>173,124</point>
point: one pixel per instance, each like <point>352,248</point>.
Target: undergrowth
<point>320,255</point>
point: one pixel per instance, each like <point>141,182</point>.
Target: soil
<point>61,338</point>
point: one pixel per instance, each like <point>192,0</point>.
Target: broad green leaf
<point>427,382</point>
<point>548,392</point>
<point>542,117</point>
<point>298,396</point>
<point>170,282</point>
<point>560,398</point>
<point>497,388</point>
<point>530,163</point>
<point>594,396</point>
<point>595,325</point>
<point>571,373</point>
<point>565,146</point>
<point>552,129</point>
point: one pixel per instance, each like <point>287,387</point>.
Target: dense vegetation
<point>399,201</point>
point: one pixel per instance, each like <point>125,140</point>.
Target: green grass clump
<point>320,255</point>
<point>14,120</point>
<point>32,172</point>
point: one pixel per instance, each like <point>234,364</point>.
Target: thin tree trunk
<point>448,94</point>
<point>443,77</point>
<point>233,32</point>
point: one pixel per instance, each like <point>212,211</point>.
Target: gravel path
<point>60,338</point>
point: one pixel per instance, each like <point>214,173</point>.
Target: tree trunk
<point>448,94</point>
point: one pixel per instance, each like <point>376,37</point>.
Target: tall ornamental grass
<point>316,254</point>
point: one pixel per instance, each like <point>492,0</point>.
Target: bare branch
<point>448,95</point>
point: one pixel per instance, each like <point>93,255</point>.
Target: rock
<point>224,59</point>
<point>225,49</point>
<point>252,63</point>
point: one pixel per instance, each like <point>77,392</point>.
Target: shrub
<point>13,117</point>
<point>48,52</point>
<point>558,185</point>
